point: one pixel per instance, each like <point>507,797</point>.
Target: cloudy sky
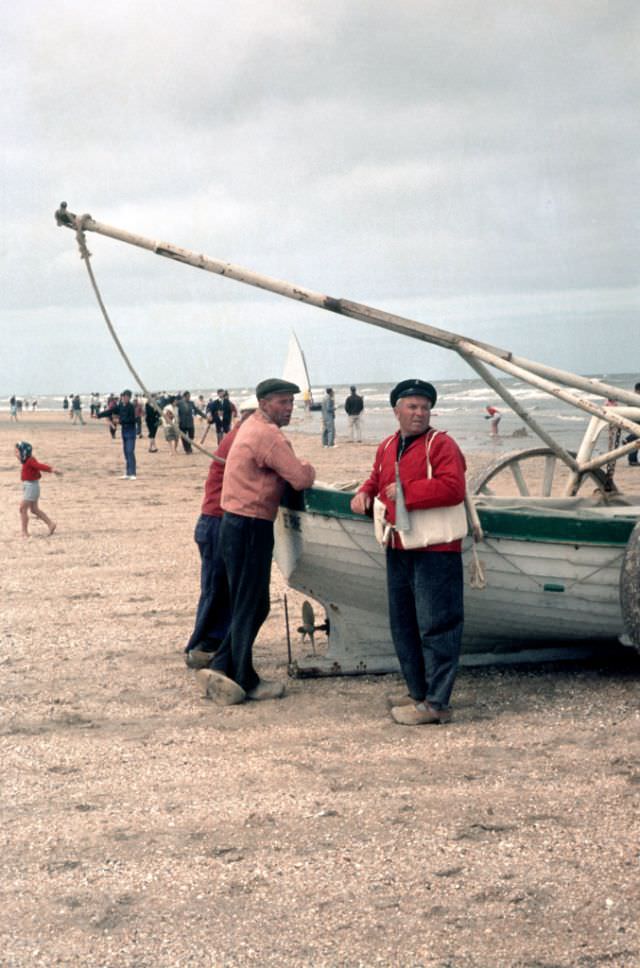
<point>470,164</point>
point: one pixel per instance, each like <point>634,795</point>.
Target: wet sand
<point>144,826</point>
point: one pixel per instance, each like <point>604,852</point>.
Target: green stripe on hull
<point>519,524</point>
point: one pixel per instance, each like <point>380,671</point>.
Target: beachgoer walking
<point>260,463</point>
<point>152,419</point>
<point>186,410</point>
<point>233,410</point>
<point>424,584</point>
<point>76,410</point>
<point>219,413</point>
<point>139,412</point>
<point>170,430</point>
<point>30,476</point>
<point>13,408</point>
<point>354,405</point>
<point>328,419</point>
<point>124,412</point>
<point>213,613</point>
<point>494,415</point>
<point>65,403</point>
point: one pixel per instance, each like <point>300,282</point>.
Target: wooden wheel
<point>536,472</point>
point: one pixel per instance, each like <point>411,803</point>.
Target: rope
<point>576,582</point>
<point>477,576</point>
<point>85,255</point>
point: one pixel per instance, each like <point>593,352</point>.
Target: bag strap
<point>384,448</point>
<point>429,439</point>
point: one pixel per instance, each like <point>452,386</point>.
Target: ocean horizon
<point>460,409</point>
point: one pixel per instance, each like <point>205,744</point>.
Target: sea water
<point>460,409</point>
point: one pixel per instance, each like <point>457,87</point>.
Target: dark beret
<point>275,385</point>
<point>413,388</point>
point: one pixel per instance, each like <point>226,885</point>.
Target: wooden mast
<point>475,352</point>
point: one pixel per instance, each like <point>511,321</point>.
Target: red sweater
<point>445,488</point>
<point>31,469</point>
<point>213,484</point>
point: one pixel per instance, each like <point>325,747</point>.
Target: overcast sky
<point>470,164</point>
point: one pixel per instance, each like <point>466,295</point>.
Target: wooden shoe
<point>222,690</point>
<point>420,714</point>
<point>399,699</point>
<point>266,689</point>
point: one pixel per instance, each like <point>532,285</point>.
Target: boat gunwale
<point>516,522</point>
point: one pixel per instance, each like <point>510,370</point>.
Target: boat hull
<point>552,582</point>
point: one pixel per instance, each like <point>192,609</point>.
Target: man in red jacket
<point>424,584</point>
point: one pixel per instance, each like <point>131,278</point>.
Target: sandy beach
<point>144,826</point>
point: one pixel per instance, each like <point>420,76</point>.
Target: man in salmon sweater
<point>258,466</point>
<point>213,612</point>
<point>424,585</point>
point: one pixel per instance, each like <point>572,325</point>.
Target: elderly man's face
<point>413,415</point>
<point>278,407</point>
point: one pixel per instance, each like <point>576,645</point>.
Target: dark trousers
<point>246,546</point>
<point>129,447</point>
<point>213,614</point>
<point>426,614</point>
<point>190,432</point>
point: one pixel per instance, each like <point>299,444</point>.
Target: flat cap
<point>413,388</point>
<point>275,385</point>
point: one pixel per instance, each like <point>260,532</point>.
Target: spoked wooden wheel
<point>536,472</point>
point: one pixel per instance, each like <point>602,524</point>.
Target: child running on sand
<point>30,477</point>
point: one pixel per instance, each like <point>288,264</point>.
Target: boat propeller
<point>309,627</point>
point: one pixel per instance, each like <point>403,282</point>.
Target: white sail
<point>295,368</point>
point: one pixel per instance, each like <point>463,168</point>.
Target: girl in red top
<point>30,477</point>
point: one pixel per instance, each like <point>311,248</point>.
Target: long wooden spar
<point>475,352</point>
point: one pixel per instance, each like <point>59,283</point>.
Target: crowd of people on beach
<point>17,406</point>
<point>416,490</point>
<point>250,468</point>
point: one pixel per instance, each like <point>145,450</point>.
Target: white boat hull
<point>550,594</point>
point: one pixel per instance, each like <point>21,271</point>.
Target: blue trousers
<point>246,546</point>
<point>329,432</point>
<point>129,448</point>
<point>426,615</point>
<point>213,613</point>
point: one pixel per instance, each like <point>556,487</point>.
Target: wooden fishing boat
<point>560,574</point>
<point>552,578</point>
<point>547,568</point>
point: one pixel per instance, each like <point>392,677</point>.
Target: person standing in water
<point>494,415</point>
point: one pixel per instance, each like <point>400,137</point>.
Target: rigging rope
<point>85,255</point>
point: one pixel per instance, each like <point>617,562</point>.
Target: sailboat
<point>296,371</point>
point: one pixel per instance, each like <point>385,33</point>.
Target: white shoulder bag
<point>429,526</point>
